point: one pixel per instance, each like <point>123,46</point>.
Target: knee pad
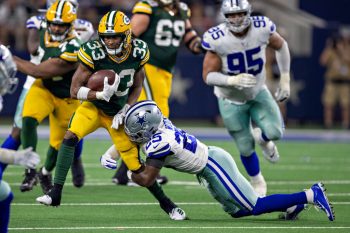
<point>73,141</point>
<point>5,190</point>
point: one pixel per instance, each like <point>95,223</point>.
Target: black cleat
<point>30,179</point>
<point>45,181</point>
<point>162,179</point>
<point>78,175</point>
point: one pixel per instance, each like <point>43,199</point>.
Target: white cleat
<point>46,200</point>
<point>269,148</point>
<point>177,214</point>
<point>259,185</point>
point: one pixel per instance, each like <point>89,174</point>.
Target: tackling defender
<point>25,158</point>
<point>114,50</point>
<point>163,25</point>
<point>235,65</point>
<point>165,145</point>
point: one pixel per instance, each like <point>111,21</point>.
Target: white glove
<point>119,117</point>
<point>26,158</point>
<point>108,90</point>
<point>241,81</point>
<point>107,162</point>
<point>283,92</point>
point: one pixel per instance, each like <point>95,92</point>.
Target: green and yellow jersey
<point>66,50</point>
<point>93,55</point>
<point>164,33</point>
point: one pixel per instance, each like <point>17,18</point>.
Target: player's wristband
<point>83,93</point>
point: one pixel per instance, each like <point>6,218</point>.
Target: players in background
<point>163,25</point>
<point>235,65</point>
<point>167,146</point>
<point>336,58</point>
<point>25,158</point>
<point>34,25</point>
<point>49,95</point>
<point>116,50</point>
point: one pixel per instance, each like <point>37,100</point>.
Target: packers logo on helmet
<point>115,23</point>
<point>60,13</point>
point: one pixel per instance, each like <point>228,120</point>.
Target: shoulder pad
<point>183,7</point>
<point>85,53</point>
<point>70,50</point>
<point>34,22</point>
<point>143,7</point>
<point>140,50</point>
<point>211,38</point>
<point>158,149</point>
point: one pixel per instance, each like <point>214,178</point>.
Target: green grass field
<point>101,206</point>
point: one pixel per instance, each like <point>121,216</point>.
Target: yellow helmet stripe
<point>59,10</point>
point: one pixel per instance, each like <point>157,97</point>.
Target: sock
<point>78,149</point>
<point>5,212</point>
<point>309,195</point>
<point>29,133</point>
<point>264,137</point>
<point>251,164</point>
<point>165,203</point>
<point>64,161</point>
<point>11,143</point>
<point>257,177</point>
<point>51,159</point>
<point>278,202</point>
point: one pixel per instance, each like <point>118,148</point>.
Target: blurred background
<point>317,31</point>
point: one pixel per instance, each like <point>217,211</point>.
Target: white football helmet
<point>233,7</point>
<point>8,69</point>
<point>142,120</point>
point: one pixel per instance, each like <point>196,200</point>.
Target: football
<point>96,80</point>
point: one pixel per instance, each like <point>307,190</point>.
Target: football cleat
<point>321,201</point>
<point>177,214</point>
<point>45,181</point>
<point>78,175</point>
<point>30,179</point>
<point>162,179</point>
<point>294,214</point>
<point>52,198</point>
<point>269,148</point>
<point>259,186</point>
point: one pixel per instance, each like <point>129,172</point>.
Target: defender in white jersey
<point>167,146</point>
<point>235,65</point>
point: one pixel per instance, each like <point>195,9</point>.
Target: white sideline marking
<point>137,203</point>
<point>195,183</point>
<point>160,227</point>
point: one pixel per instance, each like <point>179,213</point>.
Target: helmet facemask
<point>241,9</point>
<point>56,36</point>
<point>122,45</point>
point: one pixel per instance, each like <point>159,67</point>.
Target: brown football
<point>96,80</point>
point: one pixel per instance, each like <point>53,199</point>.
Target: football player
<point>34,25</point>
<point>163,25</point>
<point>235,65</point>
<point>27,157</point>
<point>116,50</point>
<point>165,145</point>
<point>49,95</point>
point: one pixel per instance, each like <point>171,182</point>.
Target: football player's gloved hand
<point>283,92</point>
<point>119,117</point>
<point>108,90</point>
<point>108,162</point>
<point>241,81</point>
<point>27,158</point>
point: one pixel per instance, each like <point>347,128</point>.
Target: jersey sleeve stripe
<point>142,8</point>
<point>86,59</point>
<point>205,45</point>
<point>160,152</point>
<point>145,59</point>
<point>68,57</point>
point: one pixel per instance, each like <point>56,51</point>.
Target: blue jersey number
<point>189,141</point>
<point>236,62</point>
<point>216,32</point>
<point>259,21</point>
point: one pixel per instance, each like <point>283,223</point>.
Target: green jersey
<point>93,55</point>
<point>66,50</point>
<point>164,33</point>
